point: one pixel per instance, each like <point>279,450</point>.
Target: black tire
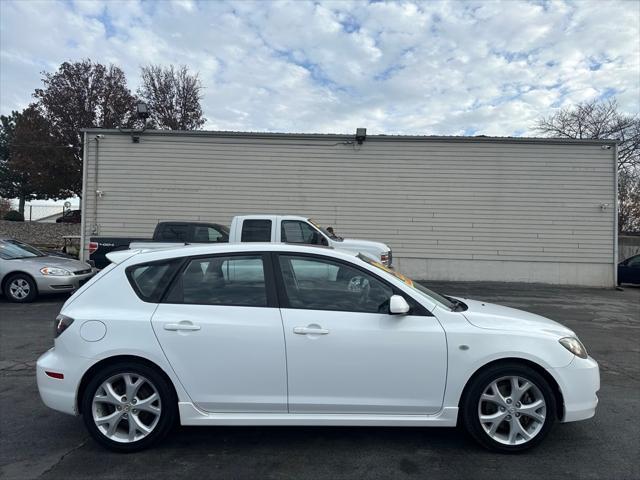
<point>21,278</point>
<point>168,402</point>
<point>471,410</point>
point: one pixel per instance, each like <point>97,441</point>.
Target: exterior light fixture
<point>361,135</point>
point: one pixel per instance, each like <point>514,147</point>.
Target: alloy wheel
<point>126,407</point>
<point>19,289</point>
<point>512,410</point>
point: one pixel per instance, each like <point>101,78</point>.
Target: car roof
<point>215,249</point>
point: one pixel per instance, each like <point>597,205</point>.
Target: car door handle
<point>310,331</point>
<point>185,326</point>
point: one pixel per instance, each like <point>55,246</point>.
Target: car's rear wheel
<point>509,408</point>
<point>20,288</point>
<point>128,407</point>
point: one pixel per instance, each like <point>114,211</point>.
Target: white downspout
<point>83,201</point>
<point>615,215</point>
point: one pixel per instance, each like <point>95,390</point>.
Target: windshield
<point>422,290</point>
<point>328,233</point>
<point>13,249</point>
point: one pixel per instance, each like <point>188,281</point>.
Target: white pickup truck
<point>302,230</point>
<point>287,229</point>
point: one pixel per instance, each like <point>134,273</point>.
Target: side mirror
<point>398,305</point>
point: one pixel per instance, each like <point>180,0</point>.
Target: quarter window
<point>256,231</point>
<point>150,280</point>
<point>321,284</point>
<point>236,281</point>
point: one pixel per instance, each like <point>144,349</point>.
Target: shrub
<point>14,216</point>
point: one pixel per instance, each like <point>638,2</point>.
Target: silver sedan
<point>26,272</point>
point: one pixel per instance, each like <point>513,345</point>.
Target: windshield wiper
<point>457,304</point>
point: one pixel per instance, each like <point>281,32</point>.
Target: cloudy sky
<point>453,68</point>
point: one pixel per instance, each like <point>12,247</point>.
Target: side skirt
<point>190,415</point>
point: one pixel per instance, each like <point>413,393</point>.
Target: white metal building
<point>452,208</point>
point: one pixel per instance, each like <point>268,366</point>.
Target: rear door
<point>221,331</point>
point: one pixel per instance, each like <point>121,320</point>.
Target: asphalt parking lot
<point>39,443</point>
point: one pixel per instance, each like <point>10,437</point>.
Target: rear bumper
<point>579,383</point>
<point>60,394</point>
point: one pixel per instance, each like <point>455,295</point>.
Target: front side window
<point>322,284</point>
<point>256,231</point>
<point>295,231</point>
<point>230,280</point>
<point>421,289</point>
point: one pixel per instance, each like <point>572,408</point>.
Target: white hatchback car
<point>270,334</point>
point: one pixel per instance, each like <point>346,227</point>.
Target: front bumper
<point>62,283</point>
<point>579,382</point>
<point>60,394</point>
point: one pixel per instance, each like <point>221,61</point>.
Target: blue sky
<point>448,68</point>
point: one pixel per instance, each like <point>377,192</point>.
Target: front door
<point>346,353</point>
<point>222,334</point>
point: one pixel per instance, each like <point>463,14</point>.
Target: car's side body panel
<point>367,363</point>
<point>235,362</point>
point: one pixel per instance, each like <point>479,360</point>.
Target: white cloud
<point>395,67</point>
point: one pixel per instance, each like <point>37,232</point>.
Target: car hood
<point>36,263</point>
<point>354,244</point>
<point>496,317</point>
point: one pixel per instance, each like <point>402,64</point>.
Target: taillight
<point>93,246</point>
<point>61,324</point>
<point>385,259</point>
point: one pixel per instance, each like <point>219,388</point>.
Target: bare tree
<point>629,201</point>
<point>602,119</point>
<point>173,96</point>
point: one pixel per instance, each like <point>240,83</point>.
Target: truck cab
<point>301,230</point>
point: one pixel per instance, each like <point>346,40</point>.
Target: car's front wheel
<point>509,408</point>
<point>20,288</point>
<point>128,407</point>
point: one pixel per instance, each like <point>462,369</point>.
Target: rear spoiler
<point>120,256</point>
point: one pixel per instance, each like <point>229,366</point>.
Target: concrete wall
<point>450,208</point>
<point>35,233</point>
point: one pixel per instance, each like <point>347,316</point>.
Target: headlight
<point>574,345</point>
<point>54,271</point>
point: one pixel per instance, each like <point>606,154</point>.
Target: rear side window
<point>205,234</point>
<point>175,232</point>
<point>256,231</point>
<point>233,280</point>
<point>150,280</point>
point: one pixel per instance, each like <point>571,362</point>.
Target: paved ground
<point>39,443</point>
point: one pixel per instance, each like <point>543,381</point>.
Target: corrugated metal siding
<point>531,202</point>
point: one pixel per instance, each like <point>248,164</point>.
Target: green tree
<point>84,95</point>
<point>33,164</point>
<point>173,96</point>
